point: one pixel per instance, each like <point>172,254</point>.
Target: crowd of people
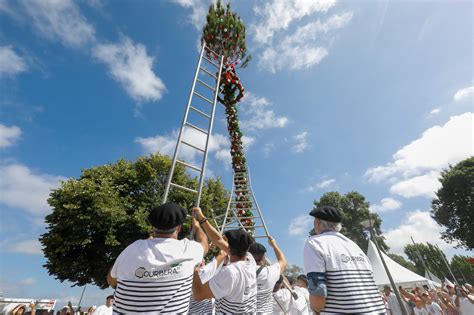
<point>167,275</point>
<point>163,274</point>
<point>449,300</point>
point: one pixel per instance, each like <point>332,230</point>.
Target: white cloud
<point>435,111</point>
<point>419,225</point>
<point>267,149</point>
<point>279,14</point>
<point>386,205</point>
<point>259,115</point>
<point>198,11</point>
<point>30,247</point>
<point>423,185</point>
<point>464,94</point>
<point>60,20</point>
<point>10,62</point>
<point>304,48</point>
<point>130,65</point>
<point>28,281</point>
<point>21,188</point>
<point>419,163</point>
<point>300,225</point>
<point>8,135</point>
<point>301,142</point>
<point>328,183</point>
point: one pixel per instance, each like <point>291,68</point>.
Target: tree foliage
<point>432,257</point>
<point>355,209</point>
<point>453,206</point>
<point>293,271</point>
<point>462,269</point>
<point>97,215</point>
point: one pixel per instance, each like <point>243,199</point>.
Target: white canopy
<point>434,280</point>
<point>401,276</point>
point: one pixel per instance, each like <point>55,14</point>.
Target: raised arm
<point>200,236</point>
<point>278,253</point>
<point>214,236</point>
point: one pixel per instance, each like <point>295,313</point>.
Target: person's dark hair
<point>110,297</point>
<point>258,251</point>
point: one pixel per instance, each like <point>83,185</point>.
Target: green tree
<point>355,209</point>
<point>403,262</point>
<point>432,257</point>
<point>462,269</point>
<point>293,271</point>
<point>95,217</point>
<point>453,206</point>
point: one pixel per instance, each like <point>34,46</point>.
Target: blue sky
<point>369,96</point>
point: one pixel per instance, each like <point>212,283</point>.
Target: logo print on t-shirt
<point>346,259</point>
<point>141,272</point>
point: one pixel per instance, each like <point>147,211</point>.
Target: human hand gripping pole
<point>214,236</point>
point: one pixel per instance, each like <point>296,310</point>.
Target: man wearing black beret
<point>159,268</point>
<point>234,287</point>
<point>339,273</point>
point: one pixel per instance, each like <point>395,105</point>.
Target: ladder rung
<point>197,128</point>
<point>192,146</point>
<point>243,218</point>
<point>212,51</point>
<point>189,165</point>
<point>211,62</point>
<point>259,236</point>
<point>184,188</point>
<point>243,227</point>
<point>200,112</point>
<point>206,85</point>
<point>203,97</point>
<point>207,71</point>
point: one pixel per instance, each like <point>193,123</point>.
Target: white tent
<point>401,276</point>
<point>434,280</point>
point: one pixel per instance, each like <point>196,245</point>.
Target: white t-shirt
<point>465,306</point>
<point>160,269</point>
<point>235,287</point>
<point>103,310</point>
<point>206,306</point>
<point>392,304</point>
<point>281,301</point>
<point>266,280</point>
<point>420,311</point>
<point>434,308</point>
<point>299,306</point>
<point>349,278</point>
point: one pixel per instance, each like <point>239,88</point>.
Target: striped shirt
<point>235,287</point>
<point>349,279</point>
<point>155,276</point>
<point>266,280</point>
<point>201,307</point>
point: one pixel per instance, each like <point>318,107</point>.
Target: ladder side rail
<point>256,203</point>
<point>211,123</point>
<point>183,124</point>
<point>228,207</point>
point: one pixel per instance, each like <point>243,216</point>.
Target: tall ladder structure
<point>206,91</point>
<point>233,218</point>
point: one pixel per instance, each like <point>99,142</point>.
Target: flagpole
<point>447,265</point>
<point>422,260</point>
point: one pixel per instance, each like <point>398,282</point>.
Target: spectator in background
<point>392,302</point>
<point>432,307</point>
<point>107,308</point>
<point>301,287</point>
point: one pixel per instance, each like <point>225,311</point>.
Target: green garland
<point>224,34</point>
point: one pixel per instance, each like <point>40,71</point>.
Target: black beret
<point>257,249</point>
<point>327,213</point>
<point>239,240</point>
<point>167,216</point>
